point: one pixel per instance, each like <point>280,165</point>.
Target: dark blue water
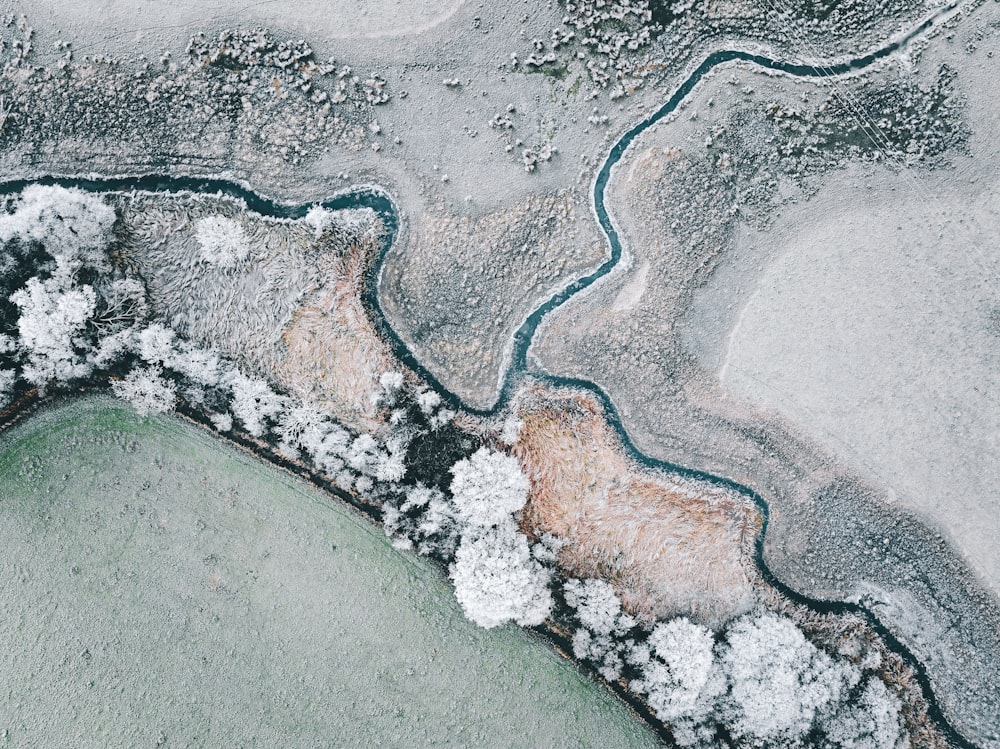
<point>377,200</point>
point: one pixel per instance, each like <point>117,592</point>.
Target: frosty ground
<point>484,241</point>
<point>848,311</point>
<point>205,627</point>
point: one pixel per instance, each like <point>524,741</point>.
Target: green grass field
<point>160,588</point>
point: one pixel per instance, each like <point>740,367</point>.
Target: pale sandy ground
<point>876,331</point>
<point>136,20</point>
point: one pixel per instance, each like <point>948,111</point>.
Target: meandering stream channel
<point>374,198</point>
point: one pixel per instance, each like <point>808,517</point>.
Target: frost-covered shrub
<point>778,680</point>
<point>327,452</point>
<point>873,721</point>
<point>147,391</point>
<point>680,678</point>
<point>223,240</point>
<point>597,606</point>
<point>319,218</point>
<point>497,580</point>
<point>223,422</point>
<point>488,487</point>
<point>362,454</point>
<point>254,403</point>
<point>301,425</point>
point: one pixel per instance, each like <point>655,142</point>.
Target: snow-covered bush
<point>778,680</point>
<point>497,580</point>
<point>602,625</point>
<point>680,678</point>
<point>319,218</point>
<point>488,487</point>
<point>147,391</point>
<point>873,721</point>
<point>223,240</point>
<point>201,366</point>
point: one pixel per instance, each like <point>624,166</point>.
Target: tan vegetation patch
<point>669,546</point>
<point>334,354</point>
<point>291,311</point>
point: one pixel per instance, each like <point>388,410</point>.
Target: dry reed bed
<point>291,312</point>
<point>668,545</point>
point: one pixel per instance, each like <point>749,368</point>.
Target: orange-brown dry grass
<point>291,313</point>
<point>669,546</point>
<point>334,354</point>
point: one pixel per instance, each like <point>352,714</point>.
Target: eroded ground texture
<point>845,369</point>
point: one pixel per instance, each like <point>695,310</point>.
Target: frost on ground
<point>459,308</point>
<point>175,591</point>
<point>890,314</point>
<point>473,521</point>
<point>242,95</point>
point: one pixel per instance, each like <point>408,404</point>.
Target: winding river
<point>374,198</point>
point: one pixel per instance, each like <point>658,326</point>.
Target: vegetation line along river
<point>374,198</point>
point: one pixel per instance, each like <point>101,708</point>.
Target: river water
<point>373,198</point>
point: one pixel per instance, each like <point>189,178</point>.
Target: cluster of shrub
<point>70,315</point>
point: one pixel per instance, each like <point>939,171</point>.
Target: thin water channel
<point>374,198</point>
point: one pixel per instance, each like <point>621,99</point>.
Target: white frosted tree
<point>424,520</point>
<point>74,226</point>
<point>223,241</point>
<point>156,344</point>
<point>147,390</point>
<point>602,623</point>
<point>873,721</point>
<point>52,330</point>
<point>497,580</point>
<point>778,680</point>
<point>8,378</point>
<point>680,678</point>
<point>488,487</point>
<point>254,403</point>
<point>201,366</point>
